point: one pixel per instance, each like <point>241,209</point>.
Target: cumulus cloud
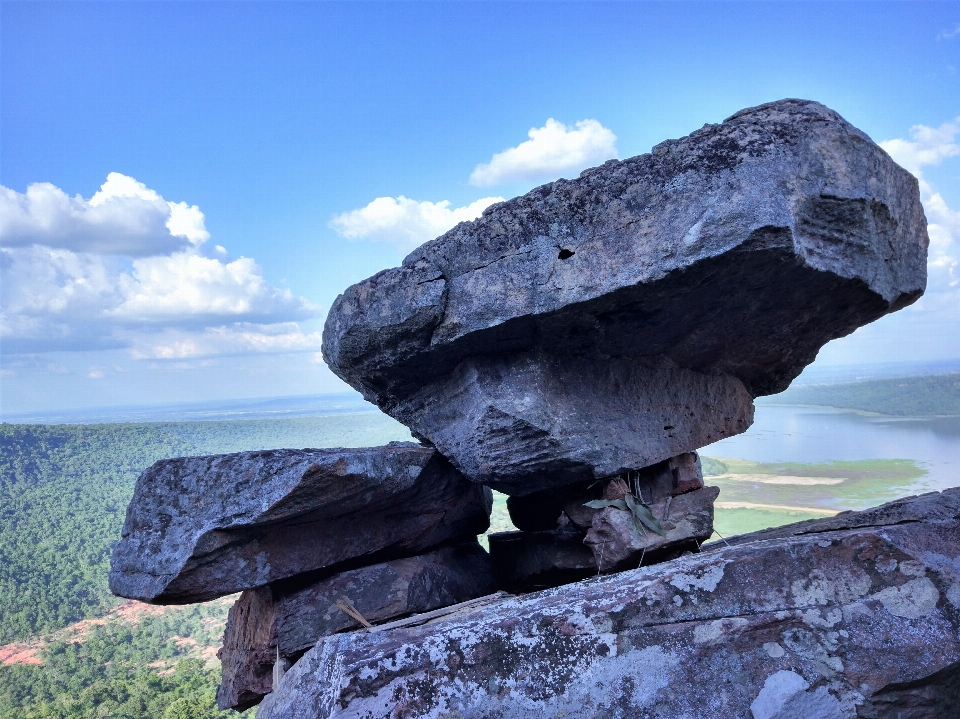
<point>404,222</point>
<point>111,287</point>
<point>930,146</point>
<point>926,146</point>
<point>124,218</point>
<point>238,338</point>
<point>552,151</point>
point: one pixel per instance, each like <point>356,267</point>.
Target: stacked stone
<point>581,342</point>
<point>381,531</point>
<point>572,348</point>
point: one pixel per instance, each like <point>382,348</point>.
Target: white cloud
<point>552,151</point>
<point>110,287</point>
<point>238,338</point>
<point>57,299</point>
<point>927,146</point>
<point>404,222</point>
<point>124,217</point>
<point>931,146</point>
<point>949,34</point>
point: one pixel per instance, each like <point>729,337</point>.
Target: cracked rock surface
<point>286,621</point>
<point>859,618</point>
<point>632,314</point>
<point>198,528</point>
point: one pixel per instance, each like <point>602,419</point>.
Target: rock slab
<point>273,621</point>
<point>853,621</point>
<point>202,527</point>
<point>632,314</point>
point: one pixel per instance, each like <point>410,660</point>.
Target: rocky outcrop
<point>618,542</point>
<point>280,622</point>
<point>855,619</point>
<point>577,530</point>
<point>202,527</point>
<point>613,321</point>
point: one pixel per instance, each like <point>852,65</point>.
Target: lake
<point>815,434</point>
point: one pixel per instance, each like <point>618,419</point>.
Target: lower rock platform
<point>858,619</point>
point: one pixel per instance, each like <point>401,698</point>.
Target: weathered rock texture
<point>615,320</point>
<point>687,521</point>
<point>271,621</point>
<point>541,511</point>
<point>202,527</point>
<point>854,621</point>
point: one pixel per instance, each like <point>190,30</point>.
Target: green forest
<point>932,396</point>
<point>63,494</point>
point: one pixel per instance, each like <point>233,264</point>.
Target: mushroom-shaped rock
<point>613,321</point>
<point>202,527</point>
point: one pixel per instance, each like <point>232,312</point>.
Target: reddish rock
<point>269,621</point>
<point>687,521</point>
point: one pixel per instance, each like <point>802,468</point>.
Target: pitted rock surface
<point>273,621</point>
<point>615,320</point>
<point>202,527</point>
<point>861,622</point>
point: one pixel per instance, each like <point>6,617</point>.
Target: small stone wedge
<point>202,527</point>
<point>273,621</point>
<point>612,321</point>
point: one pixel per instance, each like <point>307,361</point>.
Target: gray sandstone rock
<point>612,321</point>
<point>273,620</point>
<point>202,527</point>
<point>854,622</point>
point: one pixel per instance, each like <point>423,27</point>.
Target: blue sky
<point>213,168</point>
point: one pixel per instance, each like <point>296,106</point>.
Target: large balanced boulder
<point>632,314</point>
<point>856,620</point>
<point>202,527</point>
<point>274,623</point>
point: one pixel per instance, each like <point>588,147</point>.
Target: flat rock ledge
<point>198,528</point>
<point>632,314</point>
<point>852,621</point>
<point>279,622</point>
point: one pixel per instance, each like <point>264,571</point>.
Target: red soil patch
<point>20,653</point>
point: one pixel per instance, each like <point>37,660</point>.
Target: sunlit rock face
<point>202,527</point>
<point>632,314</point>
<point>853,616</point>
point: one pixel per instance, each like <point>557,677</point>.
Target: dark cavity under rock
<point>862,621</point>
<point>695,278</point>
<point>202,527</point>
<point>269,621</point>
<point>526,561</point>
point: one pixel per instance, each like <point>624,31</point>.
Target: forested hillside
<point>63,494</point>
<point>64,490</point>
<point>932,396</point>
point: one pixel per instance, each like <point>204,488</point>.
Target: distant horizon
<point>185,188</point>
<point>351,401</point>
